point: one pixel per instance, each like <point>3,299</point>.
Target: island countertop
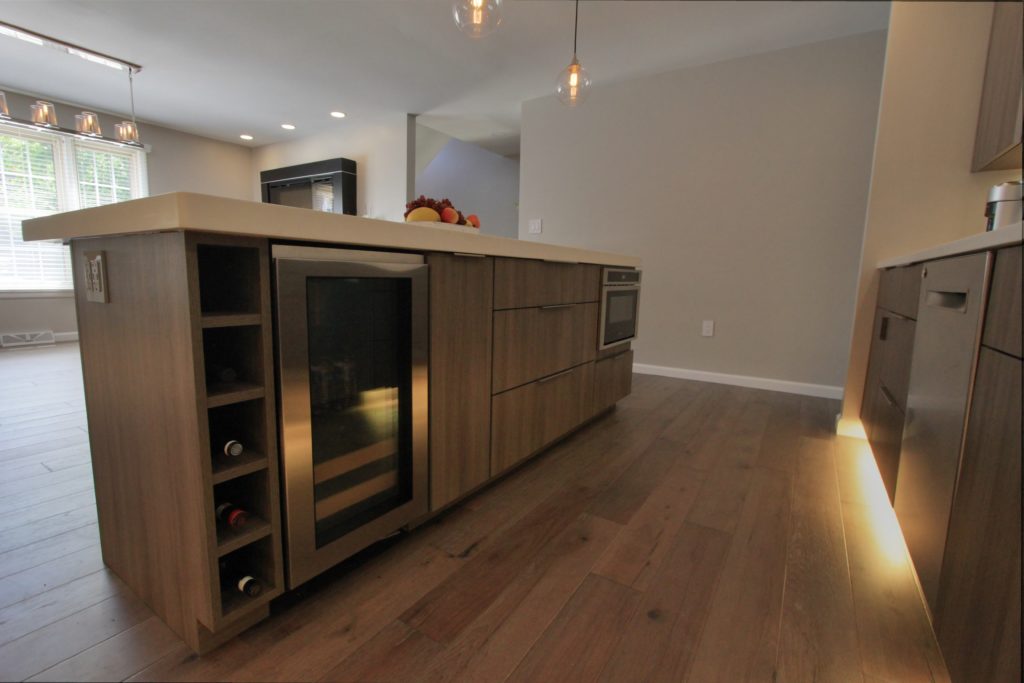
<point>206,213</point>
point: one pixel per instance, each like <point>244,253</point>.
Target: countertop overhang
<point>983,241</point>
<point>206,213</point>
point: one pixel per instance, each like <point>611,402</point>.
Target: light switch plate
<point>707,328</point>
<point>536,226</point>
<point>95,272</point>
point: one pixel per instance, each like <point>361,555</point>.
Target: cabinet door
<point>522,283</point>
<point>530,343</point>
<point>997,144</point>
<point>979,607</point>
<point>1003,318</point>
<point>460,374</point>
<point>613,378</point>
<point>899,290</point>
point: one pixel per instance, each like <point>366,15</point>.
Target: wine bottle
<point>232,515</point>
<point>244,583</point>
<point>233,448</point>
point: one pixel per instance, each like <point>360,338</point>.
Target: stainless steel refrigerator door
<point>308,552</point>
<point>950,312</point>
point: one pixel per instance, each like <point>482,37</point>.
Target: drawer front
<point>530,343</point>
<point>899,290</point>
<point>522,283</point>
<point>529,417</point>
<point>1003,318</point>
<point>613,379</point>
<point>897,347</point>
<point>885,435</point>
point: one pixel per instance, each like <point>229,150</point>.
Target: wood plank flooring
<point>697,533</point>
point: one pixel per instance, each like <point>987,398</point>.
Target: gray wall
<point>476,180</point>
<point>177,162</point>
<point>742,185</point>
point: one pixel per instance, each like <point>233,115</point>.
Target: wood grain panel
<point>530,343</point>
<point>461,295</point>
<point>899,290</point>
<point>1004,312</point>
<point>979,606</point>
<point>998,139</point>
<point>613,378</point>
<point>522,283</point>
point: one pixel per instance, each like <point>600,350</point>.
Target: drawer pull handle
<point>883,332</point>
<point>888,397</point>
<point>563,373</point>
<point>956,301</point>
<point>464,254</point>
<point>616,356</point>
<point>551,307</point>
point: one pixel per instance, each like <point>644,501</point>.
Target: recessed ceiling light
<point>338,114</point>
<point>287,126</point>
<point>245,136</point>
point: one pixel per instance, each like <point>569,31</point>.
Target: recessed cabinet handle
<point>464,254</point>
<point>563,373</point>
<point>552,307</point>
<point>883,330</point>
<point>888,397</point>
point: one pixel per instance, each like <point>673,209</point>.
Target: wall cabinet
<point>997,144</point>
<point>460,374</point>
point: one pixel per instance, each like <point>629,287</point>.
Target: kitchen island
<point>182,334</point>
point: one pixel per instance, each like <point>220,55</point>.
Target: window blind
<point>42,173</point>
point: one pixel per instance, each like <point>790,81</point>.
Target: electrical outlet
<point>707,328</point>
<point>536,226</point>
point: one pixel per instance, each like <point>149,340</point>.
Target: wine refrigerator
<point>351,346</point>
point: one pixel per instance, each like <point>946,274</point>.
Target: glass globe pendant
<point>573,83</point>
<point>477,18</point>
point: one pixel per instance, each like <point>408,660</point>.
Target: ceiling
<point>219,68</point>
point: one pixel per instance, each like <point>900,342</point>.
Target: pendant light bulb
<point>573,84</point>
<point>477,18</point>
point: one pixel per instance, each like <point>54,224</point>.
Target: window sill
<point>37,294</point>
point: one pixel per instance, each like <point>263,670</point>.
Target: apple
<point>449,215</point>
<point>474,220</point>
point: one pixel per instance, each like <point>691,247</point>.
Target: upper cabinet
<point>998,142</point>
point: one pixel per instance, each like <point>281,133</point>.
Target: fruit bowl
<point>439,213</point>
<point>469,229</point>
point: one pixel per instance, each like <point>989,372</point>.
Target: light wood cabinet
<point>997,144</point>
<point>460,374</point>
<point>978,614</point>
<point>530,343</point>
<point>528,418</point>
<point>613,379</point>
<point>524,283</point>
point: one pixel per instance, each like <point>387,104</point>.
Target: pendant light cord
<point>575,27</point>
<point>131,95</point>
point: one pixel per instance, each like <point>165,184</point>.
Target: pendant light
<point>477,18</point>
<point>574,81</point>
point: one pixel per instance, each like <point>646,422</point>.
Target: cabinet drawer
<point>899,289</point>
<point>1003,318</point>
<point>530,343</point>
<point>613,378</point>
<point>883,421</point>
<point>529,417</point>
<point>522,283</point>
<point>896,341</point>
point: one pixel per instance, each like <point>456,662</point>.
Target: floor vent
<point>13,339</point>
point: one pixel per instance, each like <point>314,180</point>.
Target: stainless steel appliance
<point>351,344</point>
<point>1004,205</point>
<point>620,306</point>
<point>946,342</point>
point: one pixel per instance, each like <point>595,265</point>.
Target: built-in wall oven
<point>620,306</point>
<point>351,344</point>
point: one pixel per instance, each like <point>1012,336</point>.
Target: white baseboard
<point>818,390</point>
<point>65,336</point>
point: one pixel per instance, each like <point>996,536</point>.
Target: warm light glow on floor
<point>882,518</point>
<point>850,427</point>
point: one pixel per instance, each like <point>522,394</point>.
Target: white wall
<point>476,181</point>
<point>742,185</point>
<point>922,190</point>
<point>379,149</point>
<point>177,162</point>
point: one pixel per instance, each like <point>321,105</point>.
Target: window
<point>43,173</point>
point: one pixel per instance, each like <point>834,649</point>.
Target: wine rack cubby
<point>233,361</point>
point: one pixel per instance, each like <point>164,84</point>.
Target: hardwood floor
<point>697,533</point>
